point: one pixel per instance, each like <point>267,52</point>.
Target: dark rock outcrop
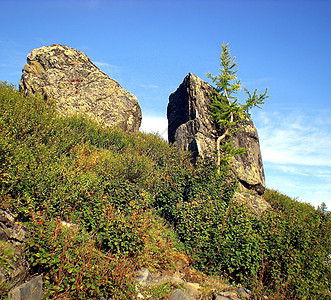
<point>14,268</point>
<point>192,128</point>
<point>70,78</point>
<point>189,122</point>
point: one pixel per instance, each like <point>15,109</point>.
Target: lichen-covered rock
<point>248,167</point>
<point>255,202</point>
<point>192,128</point>
<point>70,78</point>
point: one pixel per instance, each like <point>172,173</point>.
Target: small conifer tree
<point>225,108</point>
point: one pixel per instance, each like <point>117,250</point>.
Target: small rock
<point>18,233</point>
<point>192,289</point>
<point>228,295</point>
<point>219,297</point>
<point>17,271</point>
<point>145,277</point>
<point>68,225</point>
<point>244,293</point>
<point>6,217</point>
<point>167,278</point>
<point>140,296</point>
<point>179,295</point>
<point>3,233</point>
<point>32,290</point>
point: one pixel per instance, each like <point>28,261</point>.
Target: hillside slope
<point>136,202</point>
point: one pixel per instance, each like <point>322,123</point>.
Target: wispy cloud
<point>113,71</point>
<point>104,64</point>
<point>296,154</point>
<point>294,139</point>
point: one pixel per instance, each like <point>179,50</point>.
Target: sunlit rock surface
<point>68,77</point>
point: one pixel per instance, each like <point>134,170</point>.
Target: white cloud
<point>155,124</point>
<point>296,154</point>
<point>294,139</point>
<point>112,71</point>
<point>103,64</point>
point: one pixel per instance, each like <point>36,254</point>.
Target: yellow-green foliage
<point>122,191</point>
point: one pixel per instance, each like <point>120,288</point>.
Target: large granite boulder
<point>70,78</point>
<point>192,128</point>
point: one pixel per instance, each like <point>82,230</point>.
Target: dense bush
<point>73,170</point>
<point>297,239</point>
<point>119,188</point>
<point>281,253</point>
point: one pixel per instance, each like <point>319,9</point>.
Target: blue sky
<point>149,46</point>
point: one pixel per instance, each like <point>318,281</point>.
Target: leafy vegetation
<point>101,204</point>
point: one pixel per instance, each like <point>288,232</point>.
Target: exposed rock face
<point>255,203</point>
<point>70,78</point>
<point>31,290</point>
<point>15,269</point>
<point>248,166</point>
<point>189,122</point>
<point>192,128</point>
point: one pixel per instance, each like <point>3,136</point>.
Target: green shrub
<point>73,266</point>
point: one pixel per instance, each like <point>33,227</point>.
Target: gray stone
<point>255,202</point>
<point>189,122</point>
<point>192,289</point>
<point>68,77</point>
<point>14,269</point>
<point>6,217</point>
<point>145,277</point>
<point>31,290</point>
<point>248,167</point>
<point>4,232</point>
<point>18,233</point>
<point>178,294</point>
<point>219,297</point>
<point>17,272</point>
<point>228,295</point>
<point>192,128</point>
<point>244,293</point>
<point>165,279</point>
